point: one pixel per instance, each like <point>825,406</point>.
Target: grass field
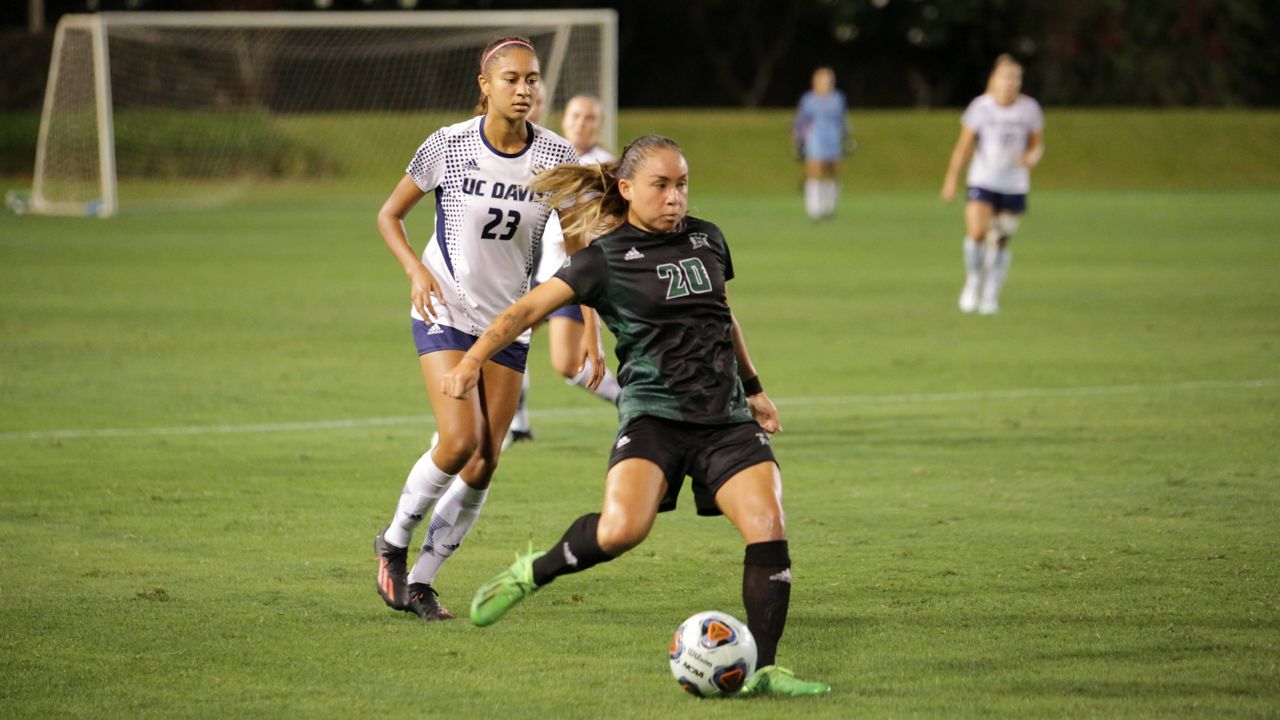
<point>1068,509</point>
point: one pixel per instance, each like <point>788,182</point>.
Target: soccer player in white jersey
<point>1003,131</point>
<point>488,226</point>
<point>821,132</point>
<point>573,325</point>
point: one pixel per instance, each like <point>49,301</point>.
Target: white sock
<point>608,389</point>
<point>972,260</point>
<point>828,194</point>
<point>425,483</point>
<point>813,198</point>
<point>520,422</point>
<point>454,515</point>
<point>999,271</point>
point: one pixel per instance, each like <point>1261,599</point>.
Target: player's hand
<point>423,286</point>
<point>948,190</point>
<point>1029,159</point>
<point>590,351</point>
<point>765,413</point>
<point>459,381</point>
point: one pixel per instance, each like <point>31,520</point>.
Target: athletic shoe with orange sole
<point>392,575</point>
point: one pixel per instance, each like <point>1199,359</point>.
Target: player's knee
<point>1006,224</point>
<point>769,524</point>
<point>484,463</point>
<point>617,535</point>
<point>565,365</point>
<point>454,451</point>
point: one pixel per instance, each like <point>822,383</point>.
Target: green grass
<point>1099,542</point>
<point>729,149</point>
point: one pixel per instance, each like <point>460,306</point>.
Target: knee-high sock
<point>576,551</point>
<point>999,271</point>
<point>426,482</point>
<point>609,387</point>
<point>813,198</point>
<point>456,511</point>
<point>973,258</point>
<point>766,595</point>
<point>830,191</point>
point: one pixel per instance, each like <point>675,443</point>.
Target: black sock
<point>766,594</point>
<point>576,551</point>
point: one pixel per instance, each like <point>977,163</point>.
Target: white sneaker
<point>969,296</point>
<point>988,306</point>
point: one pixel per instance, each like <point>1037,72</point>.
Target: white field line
<point>1021,393</point>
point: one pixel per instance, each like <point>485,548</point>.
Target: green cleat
<point>774,680</point>
<point>507,588</point>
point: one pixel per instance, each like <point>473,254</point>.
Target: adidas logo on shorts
<point>435,330</point>
<point>622,442</point>
<point>633,254</point>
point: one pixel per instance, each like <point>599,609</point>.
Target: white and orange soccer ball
<point>712,653</point>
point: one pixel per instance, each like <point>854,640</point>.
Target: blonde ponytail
<point>587,196</point>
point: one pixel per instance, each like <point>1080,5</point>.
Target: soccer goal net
<point>176,109</point>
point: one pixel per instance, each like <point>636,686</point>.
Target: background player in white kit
<point>1007,128</point>
<point>487,230</point>
<point>568,327</point>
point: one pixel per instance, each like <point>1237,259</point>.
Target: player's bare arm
<point>533,307</point>
<point>391,227</point>
<point>762,408</point>
<point>1035,150</point>
<point>591,349</point>
<point>960,156</point>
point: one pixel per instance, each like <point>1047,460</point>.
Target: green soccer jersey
<point>663,297</point>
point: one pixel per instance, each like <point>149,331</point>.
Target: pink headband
<point>501,45</point>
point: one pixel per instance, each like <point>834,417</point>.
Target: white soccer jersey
<point>553,236</point>
<point>1003,133</point>
<point>489,224</point>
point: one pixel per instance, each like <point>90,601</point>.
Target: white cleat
<point>988,307</point>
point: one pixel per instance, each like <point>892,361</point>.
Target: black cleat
<point>423,602</point>
<point>392,576</point>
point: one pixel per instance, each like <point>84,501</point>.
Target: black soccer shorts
<point>709,454</point>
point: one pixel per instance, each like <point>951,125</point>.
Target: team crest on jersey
<point>699,240</point>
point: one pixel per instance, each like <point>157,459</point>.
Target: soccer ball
<point>712,653</point>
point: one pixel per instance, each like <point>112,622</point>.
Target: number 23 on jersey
<point>492,231</point>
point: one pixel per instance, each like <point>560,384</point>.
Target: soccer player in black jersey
<point>691,402</point>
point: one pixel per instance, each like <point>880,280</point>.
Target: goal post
<point>183,109</point>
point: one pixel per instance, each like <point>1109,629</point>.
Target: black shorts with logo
<point>710,454</point>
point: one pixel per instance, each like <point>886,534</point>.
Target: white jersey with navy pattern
<point>553,236</point>
<point>1003,132</point>
<point>489,224</point>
